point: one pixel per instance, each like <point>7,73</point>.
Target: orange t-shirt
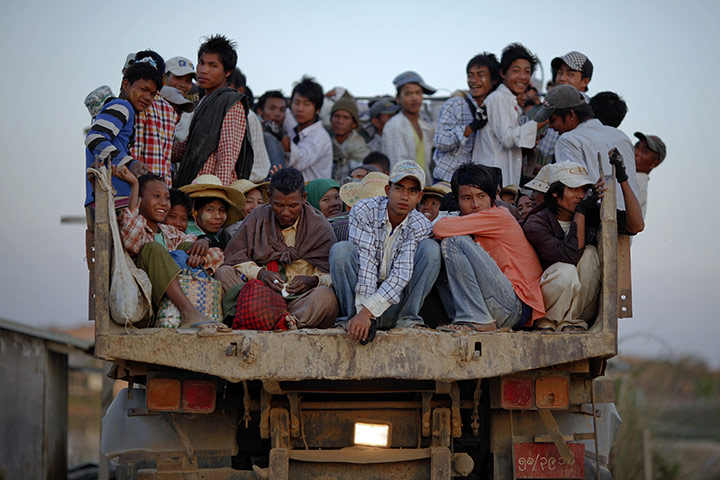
<point>497,231</point>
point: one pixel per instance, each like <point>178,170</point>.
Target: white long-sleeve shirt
<point>398,140</point>
<point>312,154</point>
<point>261,161</point>
<point>500,143</point>
<point>584,142</point>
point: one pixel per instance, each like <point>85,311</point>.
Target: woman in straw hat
<point>214,206</point>
<point>256,195</point>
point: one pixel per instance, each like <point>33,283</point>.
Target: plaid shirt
<point>221,162</point>
<point>135,233</point>
<point>154,133</point>
<point>452,147</point>
<point>368,231</point>
<point>546,145</point>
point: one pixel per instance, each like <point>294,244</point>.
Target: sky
<point>661,56</point>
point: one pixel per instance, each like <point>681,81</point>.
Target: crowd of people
<point>317,210</point>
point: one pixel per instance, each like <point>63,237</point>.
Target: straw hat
<point>210,186</point>
<point>246,186</point>
<point>373,185</point>
<point>439,189</point>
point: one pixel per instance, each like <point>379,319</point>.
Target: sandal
<point>210,327</point>
<point>572,329</point>
<point>470,327</point>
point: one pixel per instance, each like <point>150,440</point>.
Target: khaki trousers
<point>571,292</point>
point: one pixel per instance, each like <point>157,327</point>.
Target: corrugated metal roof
<point>48,335</point>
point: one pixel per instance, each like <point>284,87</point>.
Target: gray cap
<point>384,105</point>
<point>575,60</point>
<point>412,77</point>
<point>176,98</point>
<point>561,96</point>
<point>654,143</point>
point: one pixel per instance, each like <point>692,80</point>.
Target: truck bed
<point>410,354</point>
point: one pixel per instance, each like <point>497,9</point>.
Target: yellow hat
<point>439,189</point>
<point>210,186</point>
<point>373,185</point>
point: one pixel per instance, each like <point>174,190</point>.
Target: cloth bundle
<point>260,308</point>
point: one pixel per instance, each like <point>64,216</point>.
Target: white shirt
<point>182,128</point>
<point>500,142</point>
<point>312,155</point>
<point>643,179</point>
<point>582,145</point>
<point>261,161</point>
<point>398,139</point>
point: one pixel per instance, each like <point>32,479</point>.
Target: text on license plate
<point>543,460</point>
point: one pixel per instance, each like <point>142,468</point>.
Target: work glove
<point>480,119</point>
<point>589,203</point>
<point>616,159</point>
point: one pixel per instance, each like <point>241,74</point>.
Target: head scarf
<point>317,188</point>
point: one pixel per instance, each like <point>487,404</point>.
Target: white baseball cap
<point>571,175</point>
<point>180,66</point>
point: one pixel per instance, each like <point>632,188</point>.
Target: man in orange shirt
<point>494,277</point>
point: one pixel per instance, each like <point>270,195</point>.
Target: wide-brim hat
<point>541,182</point>
<point>210,186</point>
<point>439,189</point>
<point>413,77</point>
<point>571,175</point>
<point>373,185</point>
<point>246,186</point>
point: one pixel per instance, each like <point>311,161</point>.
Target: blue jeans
<point>481,293</point>
<point>275,150</point>
<point>344,266</point>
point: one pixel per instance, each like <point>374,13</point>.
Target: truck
<point>314,404</point>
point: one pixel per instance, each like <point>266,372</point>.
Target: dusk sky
<point>662,57</point>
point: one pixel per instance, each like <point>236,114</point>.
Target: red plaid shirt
<point>154,132</point>
<point>221,162</point>
<point>135,233</point>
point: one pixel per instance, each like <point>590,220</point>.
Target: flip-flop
<point>470,327</point>
<point>210,325</point>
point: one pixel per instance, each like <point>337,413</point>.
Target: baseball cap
<point>407,168</point>
<point>570,174</point>
<point>412,77</point>
<point>385,105</point>
<point>175,97</point>
<point>654,143</point>
<point>561,96</point>
<point>180,66</point>
<point>575,60</point>
<point>541,182</point>
<point>129,60</point>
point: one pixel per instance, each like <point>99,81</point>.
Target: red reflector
<point>163,394</point>
<point>552,392</point>
<point>198,396</point>
<point>517,393</point>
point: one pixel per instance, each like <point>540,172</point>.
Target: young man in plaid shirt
<point>388,267</point>
<point>149,240</point>
<point>155,127</point>
<point>219,123</point>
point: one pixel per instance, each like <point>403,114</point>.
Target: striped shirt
<point>154,133</point>
<point>109,139</point>
<point>369,231</point>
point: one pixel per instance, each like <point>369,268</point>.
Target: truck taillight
<point>198,396</point>
<point>517,393</point>
<point>163,394</point>
<point>552,392</point>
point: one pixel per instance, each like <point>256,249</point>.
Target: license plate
<point>543,460</point>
